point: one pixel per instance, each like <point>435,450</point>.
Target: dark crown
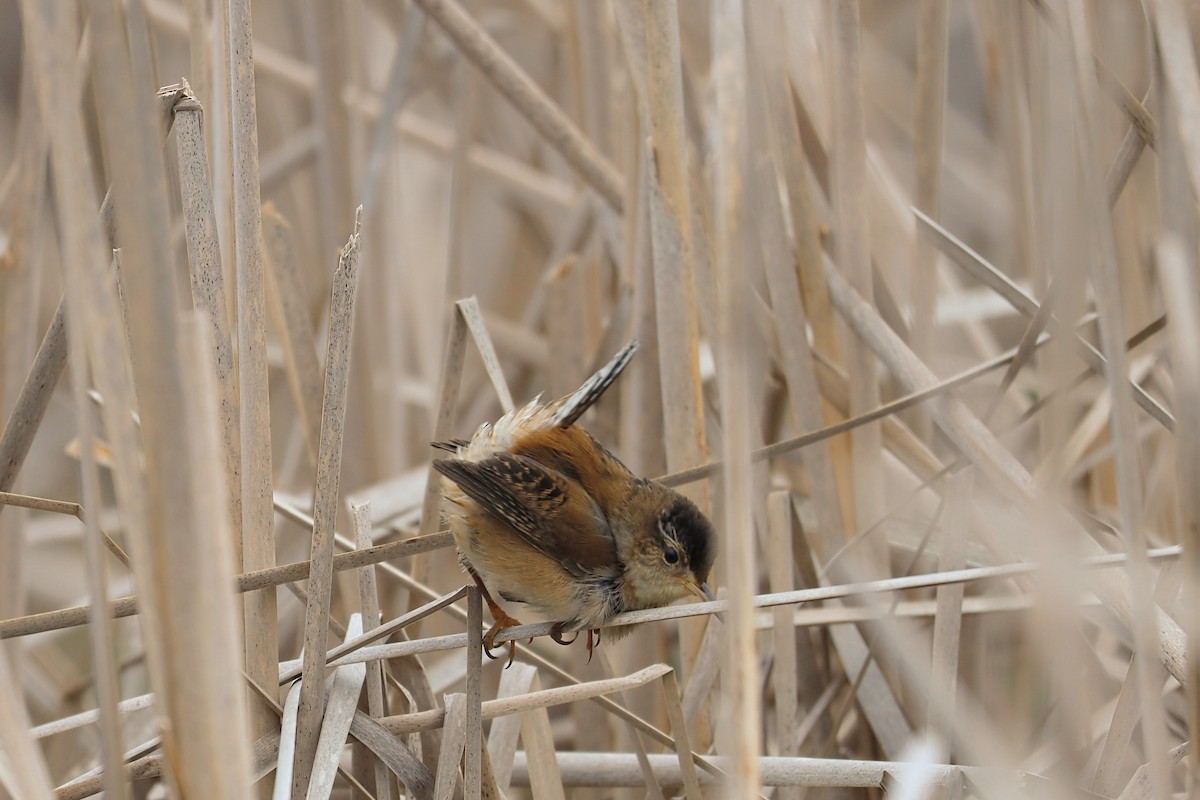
<point>694,534</point>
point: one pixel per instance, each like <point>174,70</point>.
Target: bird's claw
<point>503,622</point>
<point>556,633</point>
<point>593,637</point>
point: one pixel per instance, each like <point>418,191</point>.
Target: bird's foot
<point>556,633</point>
<point>593,637</point>
<point>503,622</point>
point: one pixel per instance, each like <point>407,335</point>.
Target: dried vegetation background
<point>915,284</point>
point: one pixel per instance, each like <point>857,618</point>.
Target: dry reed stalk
<point>518,176</point>
<point>399,86</point>
<point>929,124</point>
<point>1014,295</point>
<point>978,444</point>
<point>452,746</point>
<point>368,598</point>
<point>853,252</point>
<point>947,626</point>
<point>324,37</point>
<point>502,737</point>
<point>466,116</point>
<point>786,671</point>
<point>473,317</point>
<point>611,770</point>
<point>740,710</point>
<point>545,779</point>
<point>208,284</point>
<point>81,249</point>
<point>258,540</point>
<point>1107,288</point>
<point>651,33</point>
<point>999,647</point>
<point>784,286</point>
<point>31,403</point>
<point>248,582</point>
<point>100,623</point>
<point>289,306</point>
<point>325,501</point>
<point>379,632</point>
<point>473,725</point>
<point>24,766</point>
<point>549,120</point>
<point>392,752</point>
<point>340,707</point>
<point>284,770</point>
<point>207,703</point>
<point>22,193</point>
<point>1180,299</point>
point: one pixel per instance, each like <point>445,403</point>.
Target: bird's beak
<point>707,592</point>
<point>701,590</point>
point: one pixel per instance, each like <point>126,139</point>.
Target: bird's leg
<point>502,621</point>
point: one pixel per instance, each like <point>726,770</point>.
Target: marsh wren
<point>544,515</point>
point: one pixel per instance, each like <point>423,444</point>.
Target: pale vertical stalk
<point>28,768</point>
<point>22,192</point>
<point>139,192</point>
<point>791,318</point>
<point>691,782</point>
<point>1106,285</point>
<point>368,596</point>
<point>473,318</point>
<point>466,117</point>
<point>30,405</point>
<point>329,464</point>
<point>452,364</point>
<point>641,406</point>
<point>324,35</point>
<point>472,755</point>
<point>100,621</point>
<point>199,50</point>
<point>785,674</point>
<point>208,287</point>
<point>653,28</point>
<point>929,122</point>
<point>538,738</point>
<point>740,707</point>
<point>1180,290</point>
<point>258,531</point>
<point>947,625</point>
<point>453,739</point>
<point>1178,60</point>
<point>852,245</point>
<point>339,712</point>
<point>564,328</point>
<point>288,307</point>
<point>502,737</point>
<point>398,90</point>
<point>26,399</point>
<point>207,701</point>
<point>1178,162</point>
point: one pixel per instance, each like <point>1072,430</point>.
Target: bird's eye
<point>671,555</point>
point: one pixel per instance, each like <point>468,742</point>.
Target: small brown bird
<point>544,515</point>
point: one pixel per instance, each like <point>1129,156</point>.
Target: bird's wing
<point>574,405</point>
<point>451,445</point>
<point>551,512</point>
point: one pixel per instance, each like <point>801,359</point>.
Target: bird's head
<point>671,551</point>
